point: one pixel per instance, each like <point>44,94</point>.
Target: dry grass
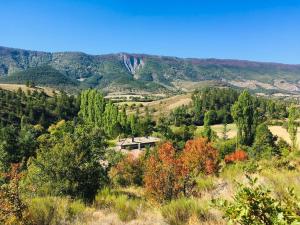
<point>218,128</point>
<point>164,106</point>
<point>147,217</point>
<point>14,87</point>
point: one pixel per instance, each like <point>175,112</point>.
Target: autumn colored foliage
<point>128,171</point>
<point>238,155</point>
<point>163,175</point>
<point>167,174</point>
<point>12,208</point>
<point>199,156</point>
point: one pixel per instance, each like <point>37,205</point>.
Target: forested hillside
<point>143,73</point>
<point>59,163</point>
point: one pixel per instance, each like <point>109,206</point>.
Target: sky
<point>260,30</point>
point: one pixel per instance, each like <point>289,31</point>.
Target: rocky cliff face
<point>133,64</point>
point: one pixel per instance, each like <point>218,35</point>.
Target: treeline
<point>96,110</point>
<point>217,103</point>
<point>35,107</point>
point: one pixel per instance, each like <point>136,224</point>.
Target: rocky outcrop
<point>133,64</point>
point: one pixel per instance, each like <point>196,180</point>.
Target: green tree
<point>68,162</point>
<point>292,126</point>
<point>245,116</point>
<point>264,143</point>
<point>207,131</point>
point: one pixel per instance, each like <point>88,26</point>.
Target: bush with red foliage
<point>168,175</point>
<point>199,156</point>
<point>129,171</point>
<point>12,208</point>
<point>163,174</point>
<point>238,155</point>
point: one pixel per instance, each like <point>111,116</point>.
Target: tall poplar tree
<point>245,116</point>
<point>292,126</point>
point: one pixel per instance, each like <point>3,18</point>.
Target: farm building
<point>137,142</point>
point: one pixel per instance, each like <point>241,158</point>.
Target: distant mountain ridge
<point>141,72</point>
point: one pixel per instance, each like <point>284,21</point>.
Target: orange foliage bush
<point>12,208</point>
<point>163,174</point>
<point>167,175</point>
<point>199,156</point>
<point>238,155</point>
<point>128,171</point>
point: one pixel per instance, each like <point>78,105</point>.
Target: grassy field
<point>163,106</point>
<point>15,87</point>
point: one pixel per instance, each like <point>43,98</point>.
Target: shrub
<point>225,147</point>
<point>126,208</point>
<point>253,204</point>
<point>204,183</point>
<point>105,198</point>
<point>13,210</point>
<point>284,147</point>
<point>238,155</point>
<point>164,174</point>
<point>54,210</point>
<point>199,156</point>
<point>179,211</point>
<point>128,171</point>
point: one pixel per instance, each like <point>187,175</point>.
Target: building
<point>137,143</point>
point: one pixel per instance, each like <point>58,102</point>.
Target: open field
<point>166,105</point>
<point>15,87</point>
<point>162,106</point>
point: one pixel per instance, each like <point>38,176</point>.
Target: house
<point>137,143</point>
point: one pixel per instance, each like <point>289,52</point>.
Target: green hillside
<point>41,75</point>
<point>140,72</point>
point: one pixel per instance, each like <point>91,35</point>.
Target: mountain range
<point>124,72</point>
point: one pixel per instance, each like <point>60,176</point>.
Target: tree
<point>199,156</point>
<point>147,124</point>
<point>92,107</point>
<point>163,174</point>
<point>225,129</point>
<point>207,131</point>
<point>245,116</point>
<point>68,161</point>
<point>292,126</point>
<point>264,143</point>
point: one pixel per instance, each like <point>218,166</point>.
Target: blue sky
<point>262,30</point>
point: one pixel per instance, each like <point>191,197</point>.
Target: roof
<point>137,140</point>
